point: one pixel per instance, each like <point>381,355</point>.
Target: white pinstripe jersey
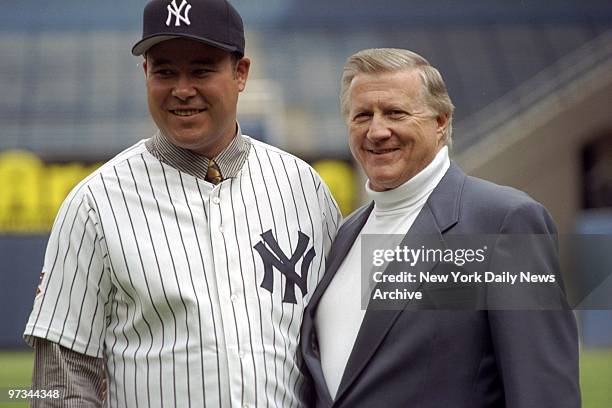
<point>163,275</point>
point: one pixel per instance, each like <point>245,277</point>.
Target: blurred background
<point>531,81</point>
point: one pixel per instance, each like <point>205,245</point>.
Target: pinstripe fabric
<point>155,270</point>
<point>79,378</point>
<point>230,160</point>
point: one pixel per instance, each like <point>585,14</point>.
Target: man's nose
<point>379,128</point>
<point>183,89</point>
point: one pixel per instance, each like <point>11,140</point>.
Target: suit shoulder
<point>501,207</point>
<point>491,195</point>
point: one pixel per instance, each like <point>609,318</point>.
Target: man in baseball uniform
<point>177,273</point>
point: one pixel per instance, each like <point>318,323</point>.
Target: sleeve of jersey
<point>71,301</point>
<point>332,215</point>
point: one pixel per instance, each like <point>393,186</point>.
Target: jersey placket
<point>231,299</point>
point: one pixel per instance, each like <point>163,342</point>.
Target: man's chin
<point>379,184</point>
<point>186,140</point>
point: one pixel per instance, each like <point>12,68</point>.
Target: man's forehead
<point>163,60</point>
<point>184,50</point>
<point>393,79</point>
<point>406,83</point>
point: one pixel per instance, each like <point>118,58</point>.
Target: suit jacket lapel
<point>440,212</point>
<point>348,233</point>
<point>343,242</point>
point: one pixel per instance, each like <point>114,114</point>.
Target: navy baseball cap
<point>214,22</point>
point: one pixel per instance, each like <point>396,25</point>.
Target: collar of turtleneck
<point>414,191</point>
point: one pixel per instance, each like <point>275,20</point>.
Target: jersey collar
<point>230,160</point>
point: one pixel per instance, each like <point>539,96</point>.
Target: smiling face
<point>393,134</point>
<point>192,92</point>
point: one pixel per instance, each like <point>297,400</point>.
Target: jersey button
<point>216,200</point>
<point>221,229</point>
<point>242,355</point>
<point>233,298</point>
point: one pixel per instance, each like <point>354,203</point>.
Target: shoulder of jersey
<point>279,152</point>
<point>126,154</point>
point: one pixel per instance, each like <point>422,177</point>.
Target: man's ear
<point>442,120</point>
<point>242,72</point>
<point>144,66</point>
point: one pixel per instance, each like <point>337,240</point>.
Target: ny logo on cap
<point>175,11</point>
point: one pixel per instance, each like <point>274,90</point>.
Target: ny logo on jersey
<point>274,257</point>
<point>174,10</point>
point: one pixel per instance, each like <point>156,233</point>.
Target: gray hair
<point>380,60</point>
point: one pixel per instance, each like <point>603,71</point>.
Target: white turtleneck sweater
<point>339,314</point>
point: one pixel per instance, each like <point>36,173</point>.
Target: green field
<point>595,378</point>
<point>15,373</point>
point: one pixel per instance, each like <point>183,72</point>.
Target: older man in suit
<point>399,117</point>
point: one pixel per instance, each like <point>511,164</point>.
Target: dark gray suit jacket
<point>458,359</point>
